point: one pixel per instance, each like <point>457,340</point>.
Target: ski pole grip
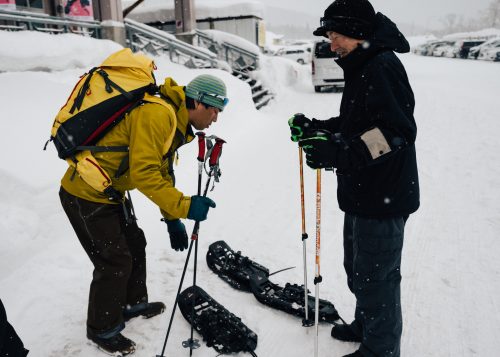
<point>216,152</point>
<point>201,146</point>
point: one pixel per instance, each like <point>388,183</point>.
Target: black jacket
<point>377,169</point>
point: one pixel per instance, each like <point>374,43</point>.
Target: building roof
<point>162,11</point>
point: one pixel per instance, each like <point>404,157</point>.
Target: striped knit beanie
<point>208,90</point>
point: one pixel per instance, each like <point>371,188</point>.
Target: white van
<point>325,72</point>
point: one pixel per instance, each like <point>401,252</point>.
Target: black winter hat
<point>351,18</point>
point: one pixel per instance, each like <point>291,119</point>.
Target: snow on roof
<point>221,36</point>
<point>485,33</point>
<point>163,11</point>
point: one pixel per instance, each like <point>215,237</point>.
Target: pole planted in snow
<point>317,278</point>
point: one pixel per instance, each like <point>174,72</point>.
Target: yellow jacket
<point>147,130</point>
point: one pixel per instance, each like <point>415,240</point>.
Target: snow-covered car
<point>464,46</point>
<point>475,51</point>
<point>299,54</point>
<point>441,49</point>
<point>489,50</point>
<point>325,71</point>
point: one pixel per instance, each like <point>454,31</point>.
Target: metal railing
<point>12,20</point>
<point>237,57</point>
<point>145,38</point>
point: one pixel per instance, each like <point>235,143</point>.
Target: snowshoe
<point>220,329</point>
<point>232,267</point>
<point>290,299</point>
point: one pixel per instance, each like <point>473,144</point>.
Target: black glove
<point>300,125</point>
<point>198,210</point>
<point>322,149</point>
<point>178,235</point>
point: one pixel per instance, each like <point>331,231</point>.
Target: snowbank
<point>37,51</point>
<point>485,33</point>
<point>221,36</point>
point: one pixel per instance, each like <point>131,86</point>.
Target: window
<point>322,50</point>
<point>36,4</point>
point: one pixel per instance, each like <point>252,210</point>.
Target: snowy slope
<point>450,265</point>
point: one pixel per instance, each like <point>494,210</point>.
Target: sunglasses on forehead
<point>224,100</point>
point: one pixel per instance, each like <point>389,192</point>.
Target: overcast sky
<point>426,13</point>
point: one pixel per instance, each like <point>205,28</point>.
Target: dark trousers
<point>372,260</point>
<point>117,251</point>
<point>10,343</point>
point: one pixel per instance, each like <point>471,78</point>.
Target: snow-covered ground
<point>451,271</point>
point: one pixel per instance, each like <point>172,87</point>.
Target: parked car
<point>299,54</point>
<point>486,50</point>
<point>464,46</point>
<point>441,48</point>
<point>490,53</point>
<point>325,71</point>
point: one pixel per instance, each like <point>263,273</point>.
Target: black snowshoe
<point>290,299</point>
<point>220,329</point>
<point>232,267</point>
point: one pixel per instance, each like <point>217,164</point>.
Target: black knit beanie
<point>351,18</point>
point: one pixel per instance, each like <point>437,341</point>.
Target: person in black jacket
<point>372,146</point>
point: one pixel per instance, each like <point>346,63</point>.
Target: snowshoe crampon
<point>232,267</point>
<point>290,299</point>
<point>220,329</point>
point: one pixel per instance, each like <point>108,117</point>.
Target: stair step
<point>264,101</point>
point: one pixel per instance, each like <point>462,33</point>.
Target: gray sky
<point>425,13</point>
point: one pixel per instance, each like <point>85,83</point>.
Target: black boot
<point>348,333</point>
<point>113,345</point>
<point>146,309</point>
<point>354,354</point>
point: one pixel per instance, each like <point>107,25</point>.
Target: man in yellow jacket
<point>114,243</point>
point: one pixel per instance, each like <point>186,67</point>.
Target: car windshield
<point>322,50</point>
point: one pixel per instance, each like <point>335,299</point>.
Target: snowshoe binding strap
<point>290,299</point>
<point>219,328</point>
<point>232,267</point>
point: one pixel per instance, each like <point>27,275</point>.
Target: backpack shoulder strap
<point>153,99</point>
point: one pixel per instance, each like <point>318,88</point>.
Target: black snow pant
<point>10,343</point>
<point>117,251</point>
<point>372,260</point>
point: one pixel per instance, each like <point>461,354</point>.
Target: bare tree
<point>450,22</point>
<point>493,13</point>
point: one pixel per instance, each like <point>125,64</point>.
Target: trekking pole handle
<point>216,152</point>
<point>201,146</point>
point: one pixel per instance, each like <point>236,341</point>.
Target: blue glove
<point>199,208</point>
<point>178,235</point>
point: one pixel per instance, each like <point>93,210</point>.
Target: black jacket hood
<point>387,36</point>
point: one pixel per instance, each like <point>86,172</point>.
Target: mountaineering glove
<point>199,207</point>
<point>299,126</point>
<point>323,149</point>
<point>178,235</point>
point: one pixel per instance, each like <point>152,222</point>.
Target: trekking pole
<point>213,163</point>
<point>191,342</point>
<point>317,278</point>
<point>305,322</point>
<point>194,237</point>
<point>200,158</point>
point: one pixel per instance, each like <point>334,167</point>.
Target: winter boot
<point>348,333</point>
<point>117,345</point>
<point>146,309</point>
<point>354,354</point>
